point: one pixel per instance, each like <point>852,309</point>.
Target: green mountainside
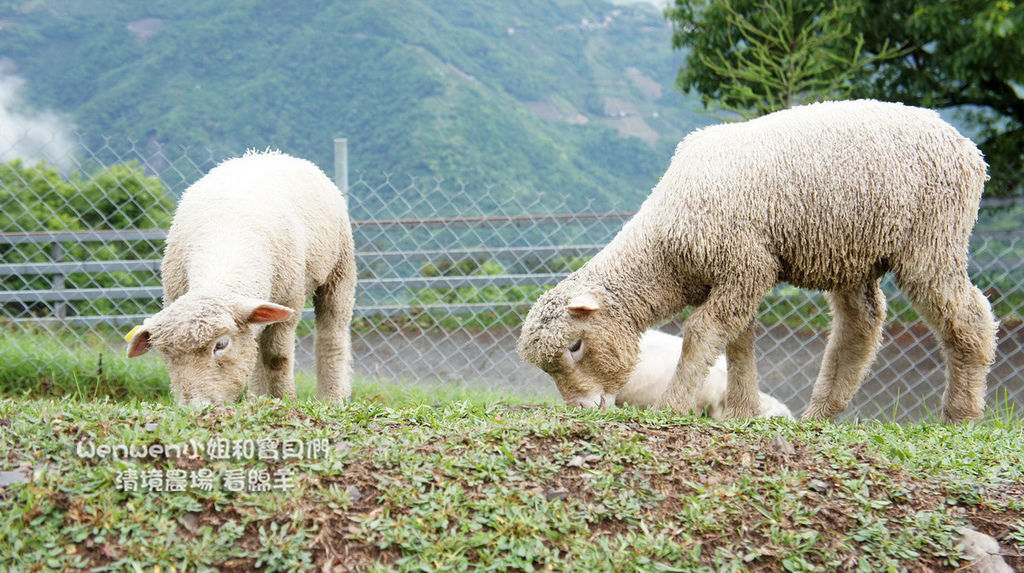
<point>556,100</point>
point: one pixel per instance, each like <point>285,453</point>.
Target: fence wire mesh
<point>447,272</point>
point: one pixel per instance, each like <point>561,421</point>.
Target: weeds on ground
<point>383,484</point>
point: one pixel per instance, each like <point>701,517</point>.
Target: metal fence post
<point>60,309</point>
<point>341,164</point>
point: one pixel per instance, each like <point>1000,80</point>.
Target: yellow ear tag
<point>131,333</point>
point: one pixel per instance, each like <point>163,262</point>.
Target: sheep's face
<point>208,343</point>
<point>573,335</point>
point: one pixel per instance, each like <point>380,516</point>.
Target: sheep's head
<point>574,334</point>
<point>208,342</point>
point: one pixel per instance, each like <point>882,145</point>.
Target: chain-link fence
<point>447,273</point>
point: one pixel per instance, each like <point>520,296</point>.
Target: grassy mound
<point>390,482</point>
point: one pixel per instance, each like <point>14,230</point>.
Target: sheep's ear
<point>138,342</point>
<point>583,305</point>
<point>265,312</point>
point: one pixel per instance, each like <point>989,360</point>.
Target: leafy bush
<point>499,305</point>
<point>38,197</point>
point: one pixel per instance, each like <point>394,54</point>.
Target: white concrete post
<point>341,164</point>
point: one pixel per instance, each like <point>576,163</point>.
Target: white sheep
<point>826,196</point>
<point>659,355</point>
<point>250,242</point>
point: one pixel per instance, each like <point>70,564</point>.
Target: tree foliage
<point>32,197</point>
<point>38,197</point>
<point>492,300</point>
<point>753,57</point>
<point>121,196</point>
<point>966,55</point>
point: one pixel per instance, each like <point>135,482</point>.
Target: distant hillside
<point>546,98</point>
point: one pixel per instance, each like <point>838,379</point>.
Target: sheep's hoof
<point>818,412</point>
<point>685,409</point>
<point>956,419</point>
<point>809,416</point>
<point>738,413</point>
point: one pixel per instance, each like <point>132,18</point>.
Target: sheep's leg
<point>742,399</point>
<point>333,302</point>
<point>277,357</point>
<point>722,319</point>
<point>259,381</point>
<point>962,320</point>
<point>857,318</point>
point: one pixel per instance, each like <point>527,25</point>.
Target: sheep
<point>659,354</point>
<point>250,242</point>
<point>827,196</point>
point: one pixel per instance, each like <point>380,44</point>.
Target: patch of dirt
<point>544,109</point>
<point>145,28</point>
<point>990,519</point>
<point>337,546</point>
<point>632,126</point>
<point>647,85</point>
<point>188,463</point>
<point>549,112</point>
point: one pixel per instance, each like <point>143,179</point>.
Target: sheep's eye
<point>221,344</point>
<point>576,350</point>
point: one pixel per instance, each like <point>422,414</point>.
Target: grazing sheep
<point>250,242</point>
<point>827,196</point>
<point>659,354</point>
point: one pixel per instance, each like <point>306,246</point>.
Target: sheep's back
<point>279,213</point>
<point>834,192</point>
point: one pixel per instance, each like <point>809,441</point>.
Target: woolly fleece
<point>250,242</point>
<point>659,354</point>
<point>826,196</point>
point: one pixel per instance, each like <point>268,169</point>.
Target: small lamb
<point>659,354</point>
<point>250,242</point>
<point>828,196</point>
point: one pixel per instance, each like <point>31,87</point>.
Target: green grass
<point>447,477</point>
<point>84,367</point>
<point>40,365</point>
<point>427,482</point>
